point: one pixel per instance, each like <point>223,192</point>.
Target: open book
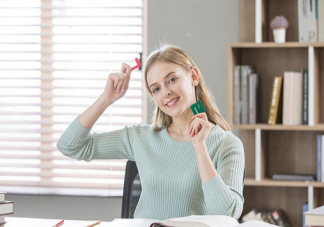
<point>189,221</point>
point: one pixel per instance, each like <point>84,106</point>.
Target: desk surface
<point>38,222</point>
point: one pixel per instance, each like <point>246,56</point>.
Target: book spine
<point>245,70</point>
<point>276,217</point>
<point>302,20</point>
<point>322,154</point>
<point>320,20</point>
<point>312,20</point>
<point>305,209</point>
<point>274,102</point>
<point>270,218</point>
<point>237,95</point>
<point>319,158</point>
<point>305,97</point>
<point>288,103</point>
<point>297,98</point>
<point>253,87</point>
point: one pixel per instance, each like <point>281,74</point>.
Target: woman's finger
<point>120,84</point>
<point>200,115</point>
<point>125,67</point>
<point>194,126</point>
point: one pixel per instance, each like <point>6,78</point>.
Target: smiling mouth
<point>170,104</point>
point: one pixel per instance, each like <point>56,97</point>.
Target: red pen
<point>59,224</point>
<point>138,64</point>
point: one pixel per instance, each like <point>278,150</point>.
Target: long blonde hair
<point>175,55</point>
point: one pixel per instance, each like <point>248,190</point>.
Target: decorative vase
<point>279,35</point>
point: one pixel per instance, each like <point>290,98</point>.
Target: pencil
<point>96,223</point>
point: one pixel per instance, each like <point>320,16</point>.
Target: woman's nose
<point>166,92</point>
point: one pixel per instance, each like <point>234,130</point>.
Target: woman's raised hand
<point>117,84</point>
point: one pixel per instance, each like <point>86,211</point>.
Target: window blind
<point>55,59</point>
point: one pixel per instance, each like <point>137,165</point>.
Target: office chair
<point>132,190</point>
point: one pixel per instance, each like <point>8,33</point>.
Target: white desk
<point>38,222</point>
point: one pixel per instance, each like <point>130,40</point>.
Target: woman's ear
<point>195,75</point>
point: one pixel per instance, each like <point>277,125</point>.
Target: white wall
<point>202,28</point>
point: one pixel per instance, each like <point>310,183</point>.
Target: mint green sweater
<point>171,184</point>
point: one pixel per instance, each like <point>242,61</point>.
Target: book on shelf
<point>245,92</point>
<point>315,217</point>
<point>305,209</point>
<point>320,18</point>
<point>293,177</point>
<point>246,70</point>
<point>237,95</point>
<point>302,21</point>
<point>271,216</point>
<point>253,98</point>
<point>292,98</point>
<point>304,117</point>
<point>280,218</point>
<point>189,221</point>
<point>312,20</point>
<point>275,110</point>
<point>320,158</point>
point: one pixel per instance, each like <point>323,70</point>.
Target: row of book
<point>246,89</point>
<point>6,208</point>
<point>275,217</point>
<point>311,20</point>
<point>320,158</point>
<point>289,99</point>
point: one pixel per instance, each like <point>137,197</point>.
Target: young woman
<point>188,164</point>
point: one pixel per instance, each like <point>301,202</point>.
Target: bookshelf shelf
<point>275,45</point>
<point>272,183</point>
<point>319,127</point>
<point>277,149</point>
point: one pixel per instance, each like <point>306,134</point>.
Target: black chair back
<point>132,190</point>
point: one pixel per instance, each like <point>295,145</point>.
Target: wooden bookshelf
<point>272,183</point>
<point>271,149</point>
<point>319,127</point>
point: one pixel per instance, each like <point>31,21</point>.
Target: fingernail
<point>123,90</point>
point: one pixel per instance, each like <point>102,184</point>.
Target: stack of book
<point>6,208</point>
<point>311,20</point>
<point>246,89</point>
<point>289,99</point>
<point>320,158</point>
<point>275,217</point>
<point>315,217</point>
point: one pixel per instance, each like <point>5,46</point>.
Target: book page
<point>136,222</point>
<point>255,223</point>
<point>202,221</point>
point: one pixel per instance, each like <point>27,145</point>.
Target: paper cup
<point>279,35</point>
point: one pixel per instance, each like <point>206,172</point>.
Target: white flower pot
<point>279,35</point>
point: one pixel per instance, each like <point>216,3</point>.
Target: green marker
<point>197,108</point>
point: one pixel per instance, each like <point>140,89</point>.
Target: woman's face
<point>169,82</point>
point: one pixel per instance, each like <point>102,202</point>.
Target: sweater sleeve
<point>224,192</point>
<point>77,142</point>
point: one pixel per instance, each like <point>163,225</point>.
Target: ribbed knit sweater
<point>168,168</point>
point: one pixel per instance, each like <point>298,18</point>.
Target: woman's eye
<point>156,89</point>
<point>172,79</point>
